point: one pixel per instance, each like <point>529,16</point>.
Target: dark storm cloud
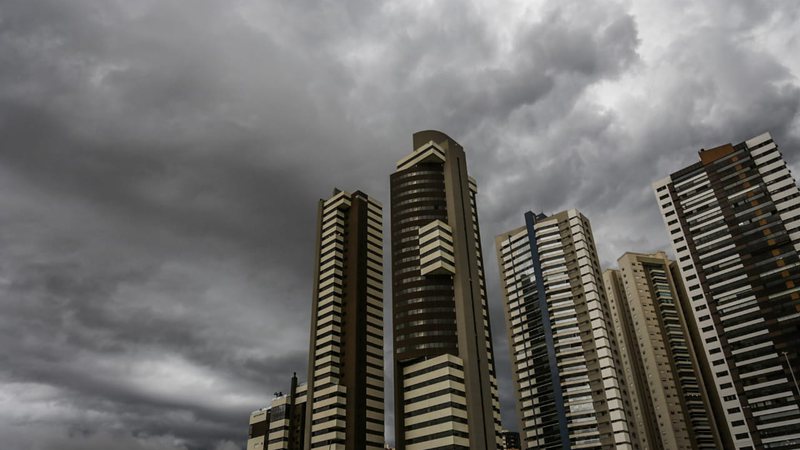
<point>160,163</point>
<point>153,234</point>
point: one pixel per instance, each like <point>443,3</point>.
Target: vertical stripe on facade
<point>555,379</point>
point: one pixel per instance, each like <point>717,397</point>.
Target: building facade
<point>568,385</point>
<point>445,388</point>
<point>510,440</point>
<point>665,385</point>
<point>282,425</point>
<point>345,379</point>
<point>734,222</point>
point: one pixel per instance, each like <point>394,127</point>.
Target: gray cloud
<point>160,164</point>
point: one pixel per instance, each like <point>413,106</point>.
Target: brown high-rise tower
<point>445,388</point>
<point>345,371</point>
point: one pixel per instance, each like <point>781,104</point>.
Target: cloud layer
<point>160,163</point>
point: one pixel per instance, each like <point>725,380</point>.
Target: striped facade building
<point>665,385</point>
<point>734,222</point>
<point>568,385</point>
<point>281,426</point>
<point>445,388</point>
<point>345,380</point>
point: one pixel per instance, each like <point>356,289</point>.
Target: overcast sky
<point>160,163</point>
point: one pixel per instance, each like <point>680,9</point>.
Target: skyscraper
<point>568,384</point>
<point>445,388</point>
<point>734,221</point>
<point>345,370</point>
<point>664,382</point>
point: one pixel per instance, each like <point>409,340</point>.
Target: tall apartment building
<point>281,426</point>
<point>568,384</point>
<point>734,221</point>
<point>445,388</point>
<point>664,382</point>
<point>345,375</point>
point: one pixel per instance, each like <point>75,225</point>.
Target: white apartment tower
<point>568,385</point>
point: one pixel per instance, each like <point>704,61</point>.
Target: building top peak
<point>424,136</point>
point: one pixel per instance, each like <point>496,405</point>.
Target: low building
<point>281,426</point>
<point>259,425</point>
